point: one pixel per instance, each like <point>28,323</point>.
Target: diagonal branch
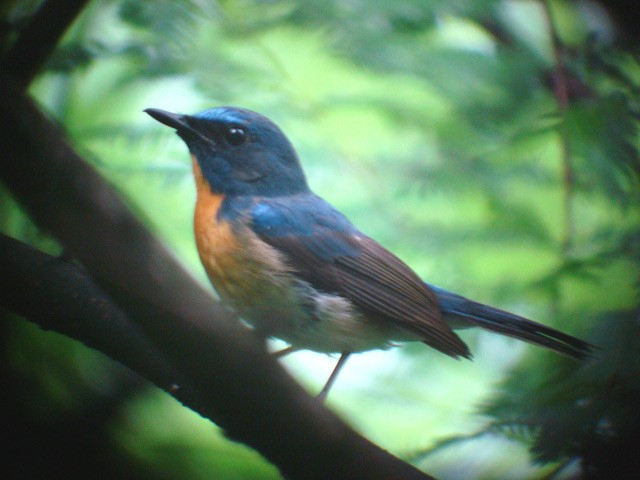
<point>61,296</point>
<point>238,385</point>
<point>39,38</point>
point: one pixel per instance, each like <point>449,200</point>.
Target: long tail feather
<point>462,312</point>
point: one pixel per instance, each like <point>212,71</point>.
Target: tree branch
<point>39,38</point>
<point>238,385</point>
<point>61,296</point>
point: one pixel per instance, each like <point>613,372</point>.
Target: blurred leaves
<point>578,412</point>
<point>600,135</point>
<point>567,412</point>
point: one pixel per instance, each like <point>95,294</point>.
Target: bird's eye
<point>235,136</point>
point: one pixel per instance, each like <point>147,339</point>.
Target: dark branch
<point>39,38</point>
<point>59,295</point>
<point>241,387</point>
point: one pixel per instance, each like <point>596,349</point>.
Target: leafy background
<point>492,145</point>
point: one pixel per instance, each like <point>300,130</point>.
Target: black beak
<point>179,122</point>
<point>173,120</point>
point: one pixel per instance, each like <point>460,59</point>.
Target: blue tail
<point>462,312</point>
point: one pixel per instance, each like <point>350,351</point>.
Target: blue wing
<point>327,251</point>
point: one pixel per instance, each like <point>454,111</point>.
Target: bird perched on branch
<point>297,269</point>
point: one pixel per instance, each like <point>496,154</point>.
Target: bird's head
<point>239,152</point>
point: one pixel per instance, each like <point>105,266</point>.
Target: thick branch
<point>241,387</point>
<point>38,40</point>
<point>59,295</point>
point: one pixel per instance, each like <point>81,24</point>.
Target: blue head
<point>239,152</point>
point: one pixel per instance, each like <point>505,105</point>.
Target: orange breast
<point>244,270</point>
<point>217,246</point>
<point>253,277</point>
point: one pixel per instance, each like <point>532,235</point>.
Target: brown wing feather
<point>375,280</point>
<point>379,281</point>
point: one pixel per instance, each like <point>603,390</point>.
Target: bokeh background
<point>491,144</point>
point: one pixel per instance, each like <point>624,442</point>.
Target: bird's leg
<point>284,351</point>
<point>332,378</point>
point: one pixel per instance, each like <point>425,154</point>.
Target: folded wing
<point>327,251</point>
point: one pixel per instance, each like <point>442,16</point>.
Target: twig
<point>561,91</point>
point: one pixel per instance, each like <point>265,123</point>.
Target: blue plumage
<point>460,312</point>
<point>312,221</point>
<point>302,271</point>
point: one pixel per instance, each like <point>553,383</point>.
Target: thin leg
<point>284,351</point>
<point>332,378</point>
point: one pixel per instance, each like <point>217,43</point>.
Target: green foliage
<point>434,125</point>
<point>577,411</point>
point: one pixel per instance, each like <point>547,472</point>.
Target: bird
<point>295,268</point>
